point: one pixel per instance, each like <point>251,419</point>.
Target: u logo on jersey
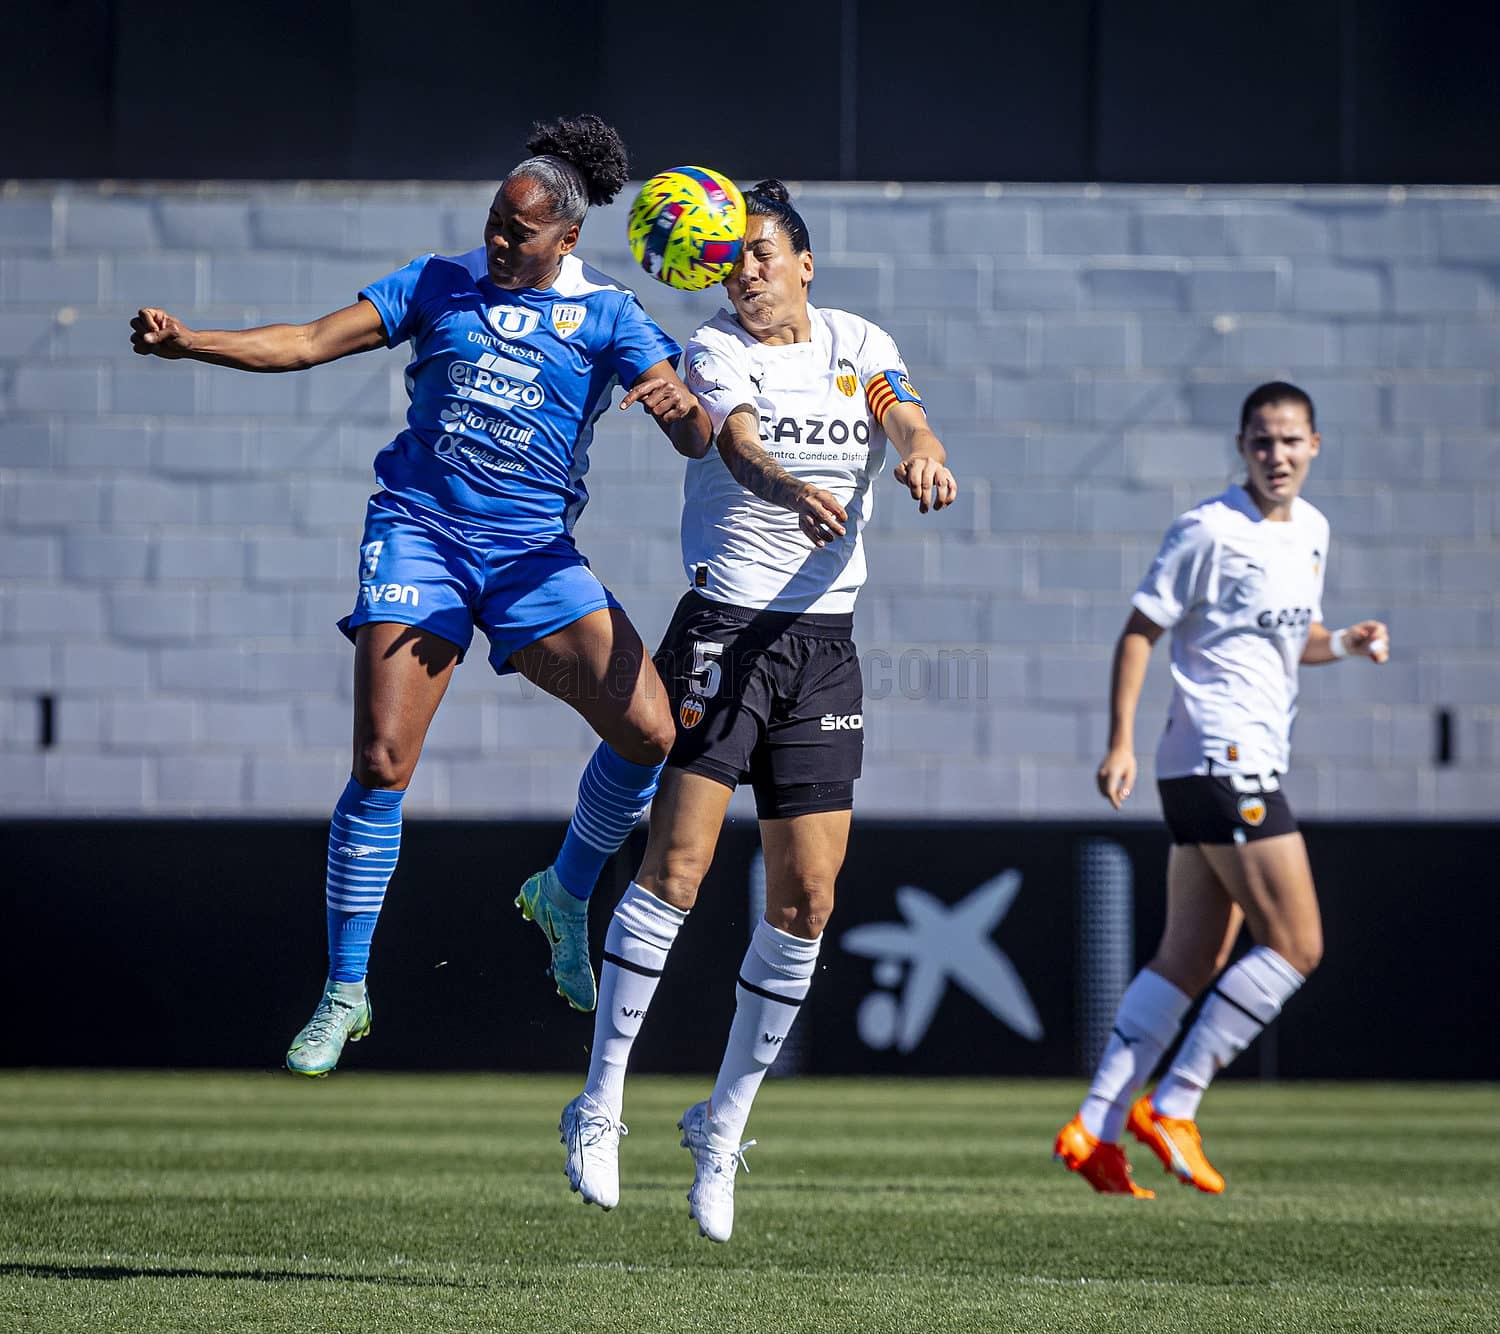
<point>691,711</point>
<point>566,319</point>
<point>1252,809</point>
<point>512,321</point>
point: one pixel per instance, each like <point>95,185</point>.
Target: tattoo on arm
<point>753,468</point>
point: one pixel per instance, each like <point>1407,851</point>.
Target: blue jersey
<point>506,386</point>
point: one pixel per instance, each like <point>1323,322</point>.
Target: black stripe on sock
<point>769,995</point>
<point>630,967</point>
<point>1249,1014</point>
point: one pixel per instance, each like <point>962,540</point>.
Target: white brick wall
<point>176,541</point>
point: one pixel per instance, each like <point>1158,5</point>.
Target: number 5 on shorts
<point>706,673</point>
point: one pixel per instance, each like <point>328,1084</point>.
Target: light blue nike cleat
<point>343,1015</point>
<point>564,920</point>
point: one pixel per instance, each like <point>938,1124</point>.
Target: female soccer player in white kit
<point>762,673</point>
<point>1239,583</point>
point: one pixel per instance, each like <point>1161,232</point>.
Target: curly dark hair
<point>771,199</point>
<point>591,146</point>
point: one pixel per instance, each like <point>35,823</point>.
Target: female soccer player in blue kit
<point>515,348</point>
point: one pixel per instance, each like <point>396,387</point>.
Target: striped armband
<point>886,389</point>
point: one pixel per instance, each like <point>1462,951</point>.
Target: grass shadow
<point>118,1273</point>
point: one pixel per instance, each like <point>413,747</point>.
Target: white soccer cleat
<point>592,1138</point>
<point>715,1161</point>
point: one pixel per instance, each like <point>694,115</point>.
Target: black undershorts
<point>775,697</point>
<point>1225,808</point>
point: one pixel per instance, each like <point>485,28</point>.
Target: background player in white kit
<point>762,673</point>
<point>1239,582</point>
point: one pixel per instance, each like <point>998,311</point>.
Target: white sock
<point>635,952</point>
<point>774,980</point>
<point>1149,1016</point>
<point>1244,1000</point>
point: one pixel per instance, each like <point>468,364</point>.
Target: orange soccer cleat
<point>1177,1143</point>
<point>1103,1166</point>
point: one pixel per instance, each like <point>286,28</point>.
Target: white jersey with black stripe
<point>814,402</point>
<point>1238,593</point>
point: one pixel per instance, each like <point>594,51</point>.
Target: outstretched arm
<point>1116,776</point>
<point>671,403</point>
<point>271,347</point>
<point>819,513</point>
<point>923,468</point>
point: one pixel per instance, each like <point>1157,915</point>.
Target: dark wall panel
<point>1152,90</point>
<point>455,99</point>
<point>56,77</point>
<point>752,92</point>
<point>1214,93</point>
<point>1426,92</point>
<point>116,931</point>
<point>225,90</point>
<point>956,91</point>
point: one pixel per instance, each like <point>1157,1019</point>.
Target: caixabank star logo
<point>933,946</point>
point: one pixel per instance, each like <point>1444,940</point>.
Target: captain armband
<point>887,388</point>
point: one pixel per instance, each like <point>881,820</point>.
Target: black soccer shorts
<point>775,697</point>
<point>1225,808</point>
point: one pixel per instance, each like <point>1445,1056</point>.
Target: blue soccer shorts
<point>418,567</point>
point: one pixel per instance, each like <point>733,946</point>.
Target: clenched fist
<point>154,333</point>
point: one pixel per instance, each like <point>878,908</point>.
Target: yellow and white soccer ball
<point>686,227</point>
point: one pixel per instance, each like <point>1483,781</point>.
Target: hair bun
<point>592,146</point>
<point>773,190</point>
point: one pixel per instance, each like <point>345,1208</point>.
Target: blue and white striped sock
<point>612,795</point>
<point>364,840</point>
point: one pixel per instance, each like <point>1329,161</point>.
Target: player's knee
<point>658,734</point>
<point>658,743</point>
<point>380,763</point>
<point>649,739</point>
<point>1305,952</point>
<point>677,885</point>
<point>674,875</point>
<point>805,911</point>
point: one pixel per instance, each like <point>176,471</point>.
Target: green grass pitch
<point>148,1202</point>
